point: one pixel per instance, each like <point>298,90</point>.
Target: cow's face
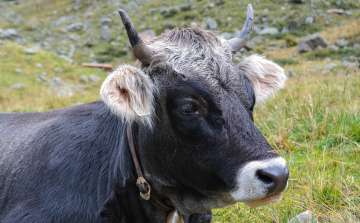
<point>193,107</point>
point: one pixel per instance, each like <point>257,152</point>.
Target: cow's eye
<point>188,109</point>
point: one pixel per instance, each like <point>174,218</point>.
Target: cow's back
<point>51,163</point>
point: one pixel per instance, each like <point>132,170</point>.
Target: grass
<point>38,96</point>
<point>314,123</point>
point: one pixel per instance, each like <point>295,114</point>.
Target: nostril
<point>274,179</point>
<point>264,177</point>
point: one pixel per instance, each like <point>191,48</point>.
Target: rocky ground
<point>91,31</point>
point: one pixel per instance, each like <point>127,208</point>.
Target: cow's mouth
<point>263,201</point>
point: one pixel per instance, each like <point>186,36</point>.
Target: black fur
<point>70,165</point>
<point>74,164</point>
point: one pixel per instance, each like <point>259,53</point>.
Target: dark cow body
<point>190,109</point>
<point>79,169</point>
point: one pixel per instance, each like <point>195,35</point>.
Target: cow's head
<point>192,109</point>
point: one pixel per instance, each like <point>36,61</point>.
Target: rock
<point>312,42</point>
<point>348,13</point>
<point>60,88</point>
<point>75,27</point>
<point>83,79</point>
<point>167,12</point>
<point>29,51</point>
<point>8,15</point>
<point>187,6</point>
<point>227,35</point>
<point>94,78</point>
<point>309,20</point>
<point>68,59</point>
<point>298,1</point>
<point>17,20</point>
<point>305,217</point>
<point>41,78</point>
<point>329,67</point>
<point>356,45</point>
<point>285,30</point>
<point>105,22</point>
<point>58,70</point>
<point>327,59</point>
<point>338,11</point>
<point>351,62</point>
<point>193,24</point>
<point>105,33</point>
<point>341,43</point>
<point>333,48</point>
<point>39,65</point>
<point>269,31</point>
<point>74,37</point>
<point>17,70</point>
<point>291,73</point>
<point>10,33</point>
<point>211,24</point>
<point>1,31</point>
<point>17,86</point>
<point>64,20</point>
<point>250,45</point>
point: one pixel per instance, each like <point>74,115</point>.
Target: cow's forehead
<point>195,53</point>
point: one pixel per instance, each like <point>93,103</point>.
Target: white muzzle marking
<point>249,187</point>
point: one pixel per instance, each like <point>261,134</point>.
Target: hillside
<point>314,122</point>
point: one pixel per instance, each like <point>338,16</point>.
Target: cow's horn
<point>141,51</point>
<point>239,42</point>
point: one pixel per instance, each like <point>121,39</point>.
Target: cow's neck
<point>124,203</point>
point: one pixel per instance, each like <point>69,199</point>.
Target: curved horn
<point>239,42</point>
<point>141,51</point>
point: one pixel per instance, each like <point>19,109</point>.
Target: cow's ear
<point>128,92</point>
<point>266,76</point>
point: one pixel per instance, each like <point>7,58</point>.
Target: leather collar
<point>146,191</point>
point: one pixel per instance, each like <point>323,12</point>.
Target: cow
<point>169,140</point>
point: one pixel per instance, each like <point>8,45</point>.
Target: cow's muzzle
<point>261,182</point>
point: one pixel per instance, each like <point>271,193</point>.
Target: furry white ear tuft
<point>266,76</point>
<point>128,92</point>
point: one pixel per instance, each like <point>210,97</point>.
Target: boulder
<point>291,73</point>
<point>351,62</point>
<point>105,33</point>
<point>60,88</point>
<point>75,27</point>
<point>329,66</point>
<point>305,217</point>
<point>105,22</point>
<point>94,78</point>
<point>333,48</point>
<point>298,1</point>
<point>311,43</point>
<point>29,51</point>
<point>269,31</point>
<point>341,43</point>
<point>309,20</point>
<point>10,33</point>
<point>17,70</point>
<point>17,86</point>
<point>212,24</point>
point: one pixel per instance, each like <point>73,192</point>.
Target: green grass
<point>37,96</point>
<point>315,125</point>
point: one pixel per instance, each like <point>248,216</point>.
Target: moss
<point>290,40</point>
<point>324,53</point>
<point>285,61</point>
